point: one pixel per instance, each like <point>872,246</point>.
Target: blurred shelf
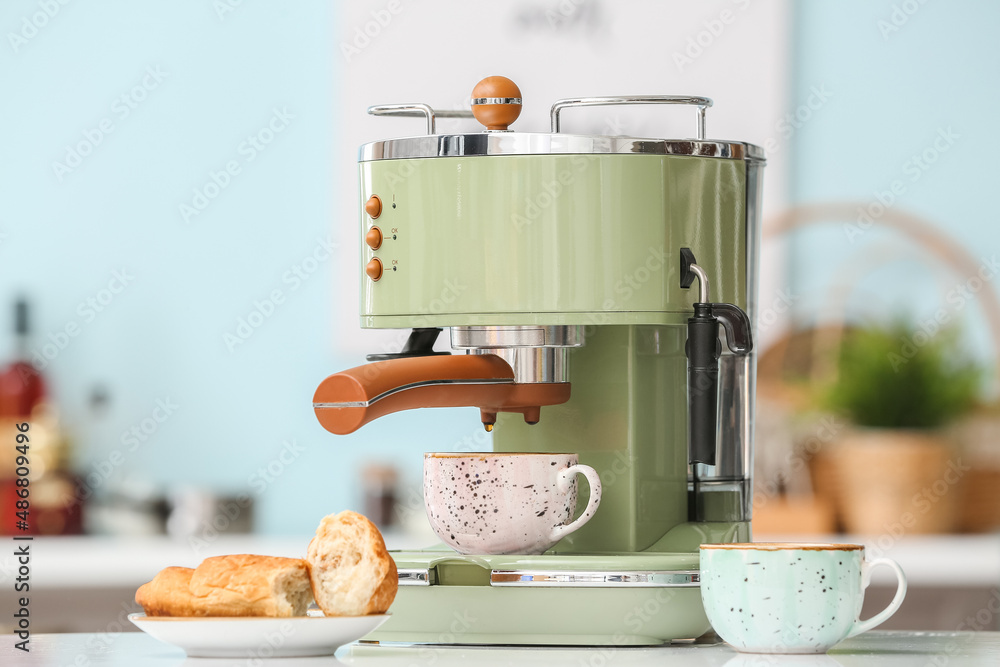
<point>932,561</point>
<point>116,562</point>
<point>127,562</point>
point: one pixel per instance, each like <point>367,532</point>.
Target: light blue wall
<point>162,336</point>
<point>900,73</point>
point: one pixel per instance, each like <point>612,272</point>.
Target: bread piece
<point>168,594</point>
<point>352,573</point>
<point>240,585</point>
<point>247,585</point>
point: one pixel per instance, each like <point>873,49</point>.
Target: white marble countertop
<point>878,649</point>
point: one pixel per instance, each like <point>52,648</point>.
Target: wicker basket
<point>867,478</point>
<point>979,435</point>
<point>980,501</point>
<point>894,481</point>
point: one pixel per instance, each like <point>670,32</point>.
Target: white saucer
<point>257,637</point>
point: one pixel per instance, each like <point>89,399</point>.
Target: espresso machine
<point>599,293</point>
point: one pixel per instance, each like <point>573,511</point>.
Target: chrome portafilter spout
<point>538,355</point>
<point>703,350</point>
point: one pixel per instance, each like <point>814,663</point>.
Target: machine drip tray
<point>433,568</point>
<point>635,599</point>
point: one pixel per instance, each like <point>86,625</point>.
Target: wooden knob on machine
<point>496,102</point>
<point>374,269</point>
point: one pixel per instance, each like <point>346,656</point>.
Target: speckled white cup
<point>505,503</point>
<point>789,598</point>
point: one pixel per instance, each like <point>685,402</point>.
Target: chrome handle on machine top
<point>416,110</point>
<point>702,103</point>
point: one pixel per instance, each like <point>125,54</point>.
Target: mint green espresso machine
<point>616,279</point>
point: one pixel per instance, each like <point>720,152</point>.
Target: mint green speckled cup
<point>789,598</point>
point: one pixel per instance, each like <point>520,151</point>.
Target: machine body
<point>555,260</point>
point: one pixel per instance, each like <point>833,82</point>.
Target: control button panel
<point>374,238</point>
<point>373,206</point>
<point>374,269</point>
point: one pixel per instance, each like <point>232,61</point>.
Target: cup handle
<point>565,476</point>
<point>866,577</point>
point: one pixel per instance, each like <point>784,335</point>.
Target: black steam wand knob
<point>703,351</point>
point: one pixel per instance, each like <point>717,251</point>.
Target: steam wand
<point>703,350</point>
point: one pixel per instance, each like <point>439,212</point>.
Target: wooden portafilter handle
<point>346,401</point>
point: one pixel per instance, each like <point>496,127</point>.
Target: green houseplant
<point>891,377</point>
<point>895,470</point>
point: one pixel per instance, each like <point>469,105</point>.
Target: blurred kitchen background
<point>178,265</point>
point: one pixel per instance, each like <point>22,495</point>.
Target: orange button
<point>374,268</point>
<point>374,238</point>
<point>373,206</point>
